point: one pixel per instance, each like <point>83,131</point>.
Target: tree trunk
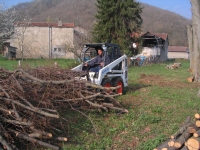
<point>180,141</point>
<point>163,145</point>
<point>191,50</point>
<point>180,131</point>
<point>196,37</point>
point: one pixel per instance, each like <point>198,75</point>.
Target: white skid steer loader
<point>112,75</point>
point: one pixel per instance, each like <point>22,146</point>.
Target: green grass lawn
<point>32,63</point>
<point>158,100</point>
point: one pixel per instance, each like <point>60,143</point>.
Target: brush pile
<point>32,101</point>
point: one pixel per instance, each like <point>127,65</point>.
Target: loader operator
<point>98,62</point>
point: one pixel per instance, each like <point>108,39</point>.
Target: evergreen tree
<point>116,20</point>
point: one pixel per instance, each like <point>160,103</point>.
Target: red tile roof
<point>178,49</point>
<point>44,24</point>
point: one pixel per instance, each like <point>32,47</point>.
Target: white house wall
<point>172,55</point>
<point>151,51</point>
<point>36,43</point>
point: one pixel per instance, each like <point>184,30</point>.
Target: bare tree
<point>7,19</point>
<point>19,35</point>
<point>80,38</point>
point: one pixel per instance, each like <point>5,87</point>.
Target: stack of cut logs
<point>173,66</point>
<point>186,138</point>
<point>32,101</point>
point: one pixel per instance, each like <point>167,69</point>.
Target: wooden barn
<point>155,46</point>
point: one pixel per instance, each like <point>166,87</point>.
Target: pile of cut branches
<point>32,101</point>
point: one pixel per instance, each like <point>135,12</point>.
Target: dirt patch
<point>132,142</point>
<point>132,101</point>
<point>158,80</point>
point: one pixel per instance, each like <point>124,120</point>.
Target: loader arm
<point>116,68</point>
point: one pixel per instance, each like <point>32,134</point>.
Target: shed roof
<point>10,46</point>
<point>178,49</point>
<point>163,36</point>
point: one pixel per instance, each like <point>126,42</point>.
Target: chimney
<point>59,23</point>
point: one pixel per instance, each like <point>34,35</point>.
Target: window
<point>57,48</point>
<point>89,54</point>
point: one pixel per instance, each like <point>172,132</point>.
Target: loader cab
<point>110,50</point>
<point>114,54</point>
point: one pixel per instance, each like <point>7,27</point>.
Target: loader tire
<point>106,83</point>
<point>118,82</point>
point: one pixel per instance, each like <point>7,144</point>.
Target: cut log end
<point>191,79</point>
<point>171,143</point>
<point>197,116</point>
<point>193,143</point>
<point>177,145</point>
<point>197,123</point>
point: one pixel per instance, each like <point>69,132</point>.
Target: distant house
<point>155,46</point>
<point>45,40</point>
<point>9,51</point>
<point>178,52</point>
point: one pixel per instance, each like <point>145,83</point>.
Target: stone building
<point>44,40</point>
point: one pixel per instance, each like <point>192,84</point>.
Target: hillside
<point>81,12</point>
<point>159,20</point>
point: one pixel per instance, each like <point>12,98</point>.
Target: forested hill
<point>81,12</point>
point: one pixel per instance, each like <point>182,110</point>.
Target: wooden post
<point>19,64</point>
<point>56,65</point>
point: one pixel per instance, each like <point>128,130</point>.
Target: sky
<point>181,7</point>
<point>10,3</point>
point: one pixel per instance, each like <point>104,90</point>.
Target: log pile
<point>32,101</point>
<point>186,138</point>
<point>173,66</point>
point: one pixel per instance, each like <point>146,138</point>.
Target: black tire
<point>118,82</point>
<point>106,83</point>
